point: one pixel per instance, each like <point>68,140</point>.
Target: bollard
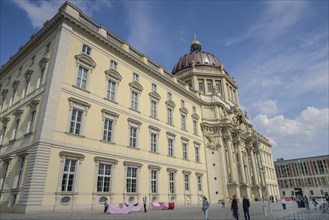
<point>264,210</point>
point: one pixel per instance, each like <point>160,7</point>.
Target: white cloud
<point>307,134</point>
<point>40,11</point>
<point>267,107</point>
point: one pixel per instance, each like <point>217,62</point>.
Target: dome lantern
<point>195,45</point>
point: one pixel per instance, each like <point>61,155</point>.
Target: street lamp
<point>262,170</point>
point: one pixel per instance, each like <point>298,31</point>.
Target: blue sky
<point>276,50</point>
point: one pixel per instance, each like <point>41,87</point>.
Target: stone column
<point>255,176</point>
<point>241,165</point>
<point>228,139</point>
<point>260,168</point>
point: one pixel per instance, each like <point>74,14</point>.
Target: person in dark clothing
<point>246,205</point>
<point>234,208</point>
<point>145,203</point>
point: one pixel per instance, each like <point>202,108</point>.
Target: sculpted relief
<point>212,141</point>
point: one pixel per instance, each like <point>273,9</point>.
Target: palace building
<point>84,117</point>
<point>309,176</point>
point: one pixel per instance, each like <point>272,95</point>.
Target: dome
<point>200,59</point>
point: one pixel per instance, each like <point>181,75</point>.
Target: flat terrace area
<point>187,212</point>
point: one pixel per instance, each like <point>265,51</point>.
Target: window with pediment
<point>79,110</point>
<point>113,79</point>
<point>136,90</point>
<point>85,65</point>
<point>109,121</point>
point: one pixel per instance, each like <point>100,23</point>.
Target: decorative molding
<point>170,103</point>
<point>107,160</point>
<point>154,128</point>
<point>136,85</point>
<point>155,95</point>
<point>128,163</point>
<point>134,121</point>
<point>64,154</point>
<point>195,116</point>
<point>183,110</point>
<point>154,167</point>
<point>114,114</point>
<point>43,62</point>
<point>186,172</point>
<point>171,170</point>
<point>27,75</point>
<point>112,73</point>
<point>85,59</point>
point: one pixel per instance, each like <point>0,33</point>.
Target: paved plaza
<point>181,212</point>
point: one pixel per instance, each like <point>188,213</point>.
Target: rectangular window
<point>20,173</point>
<point>186,182</point>
<point>107,134</point>
<point>182,103</point>
<point>169,116</point>
<point>47,48</point>
<point>104,178</point>
<point>134,100</point>
<point>86,50</point>
<point>135,77</point>
<point>209,86</point>
<point>201,87</point>
<point>12,101</point>
<point>114,65</point>
<point>171,182</point>
<point>111,90</point>
<point>4,176</point>
<point>154,108</point>
<point>199,179</point>
<point>170,147</point>
<point>154,181</point>
<point>154,87</point>
<point>218,86</point>
<point>154,142</point>
<point>31,123</point>
<point>3,135</point>
<point>195,127</point>
<point>193,109</point>
<point>169,96</point>
<point>82,78</point>
<point>197,154</point>
<point>76,121</point>
<point>133,137</point>
<point>68,175</point>
<point>40,80</point>
<point>26,90</point>
<point>131,186</point>
<point>185,151</point>
<point>15,131</point>
<point>183,121</point>
<point>32,60</point>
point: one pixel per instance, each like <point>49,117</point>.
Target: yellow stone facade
<point>85,116</point>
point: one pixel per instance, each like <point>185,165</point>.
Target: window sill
<point>80,89</point>
<point>76,135</point>
<point>171,156</point>
<point>184,129</point>
<point>107,142</point>
<point>110,100</point>
<point>171,124</point>
<point>66,193</point>
<point>154,152</point>
<point>154,118</point>
<point>12,141</point>
<point>28,134</point>
<point>134,110</point>
<point>103,193</point>
<point>135,148</point>
<point>185,159</point>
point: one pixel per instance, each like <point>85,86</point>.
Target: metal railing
<point>306,215</point>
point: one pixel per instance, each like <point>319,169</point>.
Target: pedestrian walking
<point>246,205</point>
<point>223,203</point>
<point>283,203</point>
<point>106,205</point>
<point>306,202</point>
<point>205,206</point>
<point>234,208</point>
<point>315,203</point>
<point>145,203</point>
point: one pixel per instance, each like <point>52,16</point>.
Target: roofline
<point>302,158</point>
